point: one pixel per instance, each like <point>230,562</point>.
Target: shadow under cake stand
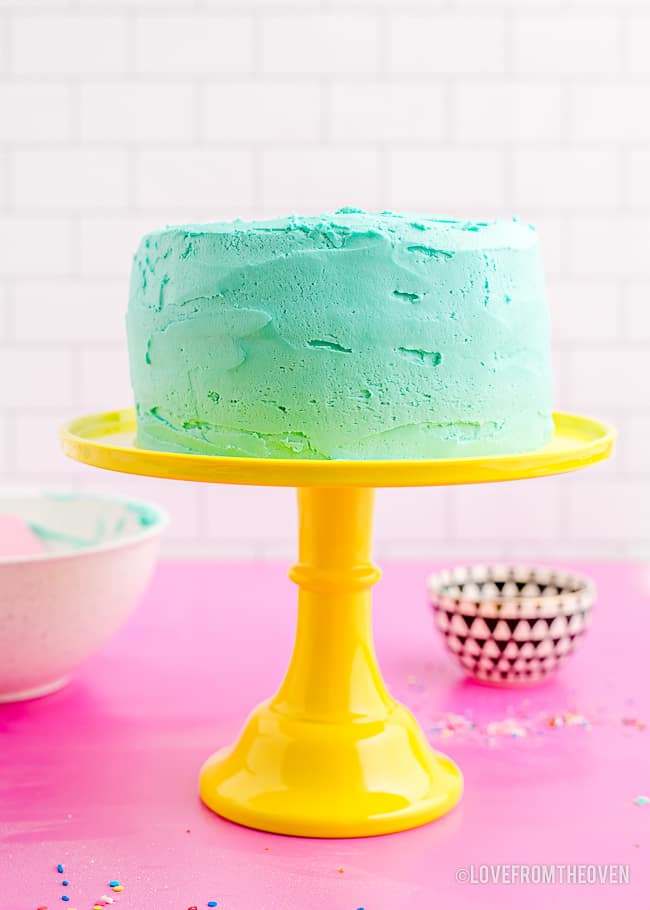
<point>331,754</point>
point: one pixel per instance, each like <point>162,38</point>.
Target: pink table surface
<point>102,776</point>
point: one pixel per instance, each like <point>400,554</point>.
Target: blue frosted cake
<point>351,335</point>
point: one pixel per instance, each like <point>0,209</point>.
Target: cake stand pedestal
<point>331,754</point>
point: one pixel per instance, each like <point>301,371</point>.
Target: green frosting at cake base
<point>350,335</point>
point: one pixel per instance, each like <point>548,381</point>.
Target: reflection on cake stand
<point>331,754</point>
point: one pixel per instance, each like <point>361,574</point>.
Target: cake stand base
<point>293,776</point>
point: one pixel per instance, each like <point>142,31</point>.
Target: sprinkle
<point>118,888</point>
<point>507,727</point>
<point>106,900</point>
<point>212,903</point>
<point>340,869</point>
<point>194,907</point>
<point>642,801</point>
<point>65,882</point>
<point>59,868</point>
<point>633,722</point>
<point>65,897</point>
<point>113,884</point>
<point>98,907</point>
<point>45,908</point>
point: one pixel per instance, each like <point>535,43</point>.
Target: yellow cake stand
<point>331,754</point>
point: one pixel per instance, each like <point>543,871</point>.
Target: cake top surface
<point>441,232</point>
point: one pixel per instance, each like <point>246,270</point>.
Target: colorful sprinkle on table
<point>517,725</point>
<point>113,884</point>
<point>65,882</point>
<point>118,888</point>
<point>65,897</point>
<point>59,868</point>
<point>642,801</point>
<point>633,722</point>
<point>212,903</point>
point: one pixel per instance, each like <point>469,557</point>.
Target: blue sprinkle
<point>65,883</point>
<point>212,903</point>
<point>59,868</point>
<point>65,898</point>
<point>113,884</point>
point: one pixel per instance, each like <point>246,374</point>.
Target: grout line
<point>398,142</point>
<point>467,77</point>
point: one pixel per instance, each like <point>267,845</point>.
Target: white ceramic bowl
<point>510,625</point>
<point>57,608</point>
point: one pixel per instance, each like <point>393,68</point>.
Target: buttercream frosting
<point>350,335</point>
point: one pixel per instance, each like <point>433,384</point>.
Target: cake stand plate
<point>331,754</point>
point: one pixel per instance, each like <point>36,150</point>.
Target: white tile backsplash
<point>193,44</point>
<point>117,116</point>
<point>54,44</point>
<point>446,44</point>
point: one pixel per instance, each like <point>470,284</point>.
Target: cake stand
<point>331,754</point>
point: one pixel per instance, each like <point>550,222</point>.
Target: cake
<point>344,336</point>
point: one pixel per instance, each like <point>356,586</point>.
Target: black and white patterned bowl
<point>510,625</point>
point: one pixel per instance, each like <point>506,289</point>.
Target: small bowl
<point>59,606</point>
<point>510,625</point>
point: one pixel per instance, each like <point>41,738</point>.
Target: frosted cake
<point>351,335</point>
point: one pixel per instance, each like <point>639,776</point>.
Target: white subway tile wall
<point>119,115</point>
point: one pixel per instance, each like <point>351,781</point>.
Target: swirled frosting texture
<point>351,335</point>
